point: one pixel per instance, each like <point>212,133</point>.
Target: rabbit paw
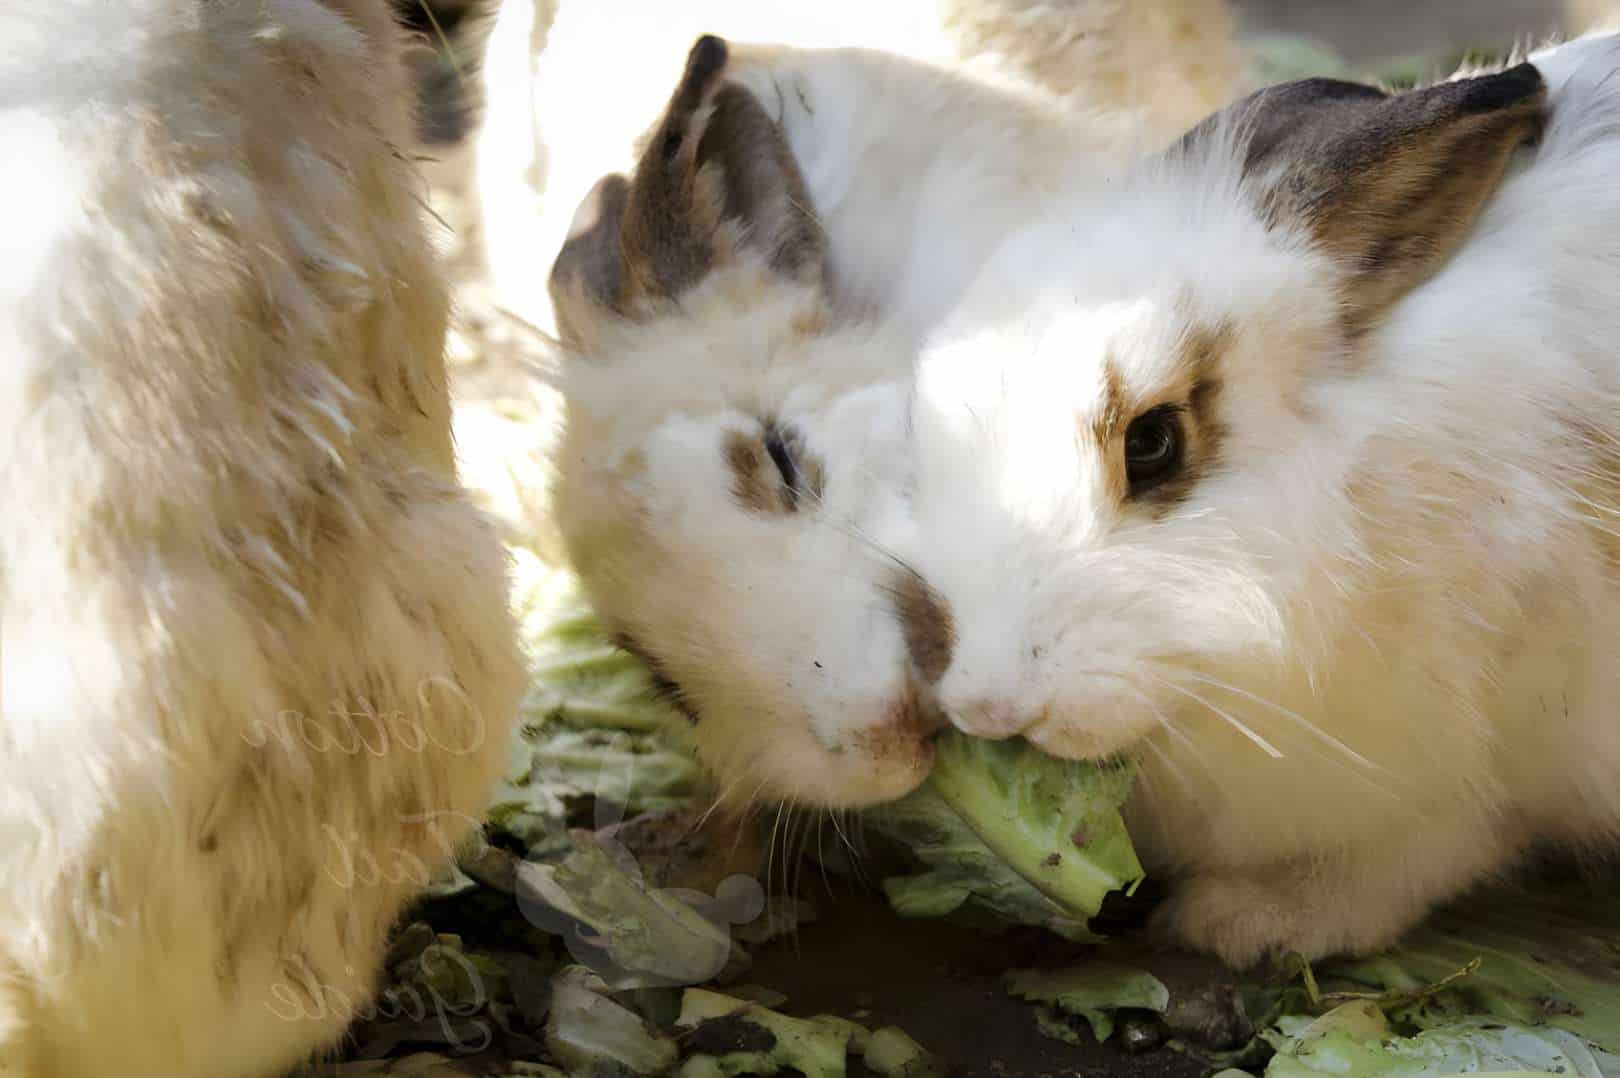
<point>1244,920</point>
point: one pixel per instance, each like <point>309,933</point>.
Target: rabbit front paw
<point>1244,920</point>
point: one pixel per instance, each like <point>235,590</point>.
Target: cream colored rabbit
<point>252,631</point>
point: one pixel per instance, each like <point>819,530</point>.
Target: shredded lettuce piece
<point>638,935</point>
<point>891,1053</point>
<point>594,1037</point>
<point>725,1037</point>
<point>1092,991</point>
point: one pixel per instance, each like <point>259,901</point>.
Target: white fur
<point>231,537</point>
<point>1368,661</point>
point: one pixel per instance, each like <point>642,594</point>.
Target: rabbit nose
<point>991,717</point>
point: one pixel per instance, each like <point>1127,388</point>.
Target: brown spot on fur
<point>1198,383</point>
<point>773,473</point>
<point>752,475</point>
<point>1106,429</point>
<point>926,624</point>
<point>912,720</point>
<point>1109,422</point>
<point>812,322</point>
<point>1200,357</point>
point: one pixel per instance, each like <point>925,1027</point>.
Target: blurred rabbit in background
<point>253,631</point>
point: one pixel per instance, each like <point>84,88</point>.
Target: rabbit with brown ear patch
<point>253,635</point>
<point>1364,656</point>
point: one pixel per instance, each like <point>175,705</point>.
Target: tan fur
<point>1197,385</point>
<point>256,641</point>
<point>754,482</point>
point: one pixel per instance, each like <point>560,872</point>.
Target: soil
<point>945,987</point>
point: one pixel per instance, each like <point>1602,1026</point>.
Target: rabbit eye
<point>1153,447</point>
<point>781,452</point>
<point>772,471</point>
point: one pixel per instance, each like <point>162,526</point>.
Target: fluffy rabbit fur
<point>258,665</point>
<point>1355,632</point>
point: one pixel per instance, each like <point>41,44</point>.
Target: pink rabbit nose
<point>987,717</point>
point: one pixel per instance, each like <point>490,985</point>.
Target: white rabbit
<point>741,321</point>
<point>258,666</point>
<point>567,85</point>
<point>1290,466</point>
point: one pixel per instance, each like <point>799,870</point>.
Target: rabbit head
<point>1138,440</point>
<point>733,470</point>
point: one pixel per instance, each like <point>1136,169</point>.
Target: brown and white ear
<point>716,182</point>
<point>1387,184</point>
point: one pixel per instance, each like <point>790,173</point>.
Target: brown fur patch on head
<point>1105,430</point>
<point>1198,387</point>
<point>773,472</point>
<point>926,624</point>
<point>754,483</point>
<point>1109,421</point>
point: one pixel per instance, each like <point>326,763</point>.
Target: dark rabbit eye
<point>781,452</point>
<point>1153,447</point>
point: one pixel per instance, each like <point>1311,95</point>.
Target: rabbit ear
<point>716,180</point>
<point>1389,184</point>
